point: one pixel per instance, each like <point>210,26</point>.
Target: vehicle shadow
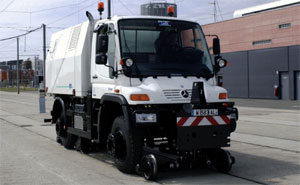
<point>248,169</point>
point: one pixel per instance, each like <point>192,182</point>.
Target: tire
<point>223,161</point>
<point>85,145</point>
<point>66,139</point>
<point>129,145</point>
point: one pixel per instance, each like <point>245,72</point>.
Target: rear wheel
<point>124,145</point>
<point>66,139</point>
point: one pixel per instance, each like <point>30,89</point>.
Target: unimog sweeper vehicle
<point>144,88</point>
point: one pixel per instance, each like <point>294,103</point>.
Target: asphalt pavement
<point>266,146</point>
<point>267,103</point>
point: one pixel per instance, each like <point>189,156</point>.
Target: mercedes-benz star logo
<point>184,93</point>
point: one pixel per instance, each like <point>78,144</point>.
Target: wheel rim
<point>116,145</point>
<point>149,166</point>
<point>59,128</point>
<point>147,170</point>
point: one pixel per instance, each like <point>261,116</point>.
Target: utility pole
<point>43,84</point>
<point>44,53</point>
<point>18,71</point>
<point>215,10</point>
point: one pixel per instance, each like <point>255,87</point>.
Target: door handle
<point>95,77</point>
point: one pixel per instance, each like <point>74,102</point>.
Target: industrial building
<point>262,45</point>
<point>8,73</point>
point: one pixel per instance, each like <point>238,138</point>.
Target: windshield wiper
<point>205,72</point>
<point>194,73</point>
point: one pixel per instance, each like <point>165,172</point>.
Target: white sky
<point>19,16</point>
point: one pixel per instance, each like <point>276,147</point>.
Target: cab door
<point>102,73</point>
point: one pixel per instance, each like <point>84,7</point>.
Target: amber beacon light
<point>171,10</point>
<point>100,8</point>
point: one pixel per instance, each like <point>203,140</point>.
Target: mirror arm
<point>211,35</point>
<point>114,74</point>
<point>216,69</point>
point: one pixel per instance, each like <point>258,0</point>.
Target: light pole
<point>43,88</point>
<point>18,71</point>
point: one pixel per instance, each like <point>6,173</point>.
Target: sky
<point>19,16</point>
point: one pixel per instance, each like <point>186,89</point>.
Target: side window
<point>109,30</point>
<point>101,31</point>
<point>111,53</point>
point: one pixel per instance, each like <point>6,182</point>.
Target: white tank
<point>68,61</point>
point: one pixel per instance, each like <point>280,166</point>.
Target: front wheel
<point>124,145</point>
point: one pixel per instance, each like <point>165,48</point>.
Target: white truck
<point>143,87</point>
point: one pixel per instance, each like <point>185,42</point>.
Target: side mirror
<point>102,43</point>
<point>216,46</point>
<point>101,59</point>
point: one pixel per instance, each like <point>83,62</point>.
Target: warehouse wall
<point>240,34</point>
<point>294,67</point>
<point>263,65</point>
<point>235,75</point>
<point>254,73</point>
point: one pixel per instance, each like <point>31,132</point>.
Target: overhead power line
<point>70,14</point>
<point>126,6</point>
<point>219,9</point>
<point>21,34</point>
<point>7,6</point>
<point>15,28</point>
<point>46,9</point>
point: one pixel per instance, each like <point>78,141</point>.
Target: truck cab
<point>165,52</point>
<point>144,88</point>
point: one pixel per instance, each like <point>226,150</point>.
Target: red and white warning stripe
<point>202,121</point>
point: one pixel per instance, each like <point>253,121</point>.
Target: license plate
<point>205,112</point>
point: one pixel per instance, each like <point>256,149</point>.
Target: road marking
<point>267,141</point>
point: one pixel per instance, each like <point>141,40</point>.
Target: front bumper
<point>188,132</point>
<point>208,133</point>
<point>200,132</point>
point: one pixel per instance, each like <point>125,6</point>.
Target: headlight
<point>145,118</point>
<point>129,62</point>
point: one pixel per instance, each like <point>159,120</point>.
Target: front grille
<point>175,95</point>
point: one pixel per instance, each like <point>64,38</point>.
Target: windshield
<point>165,48</point>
